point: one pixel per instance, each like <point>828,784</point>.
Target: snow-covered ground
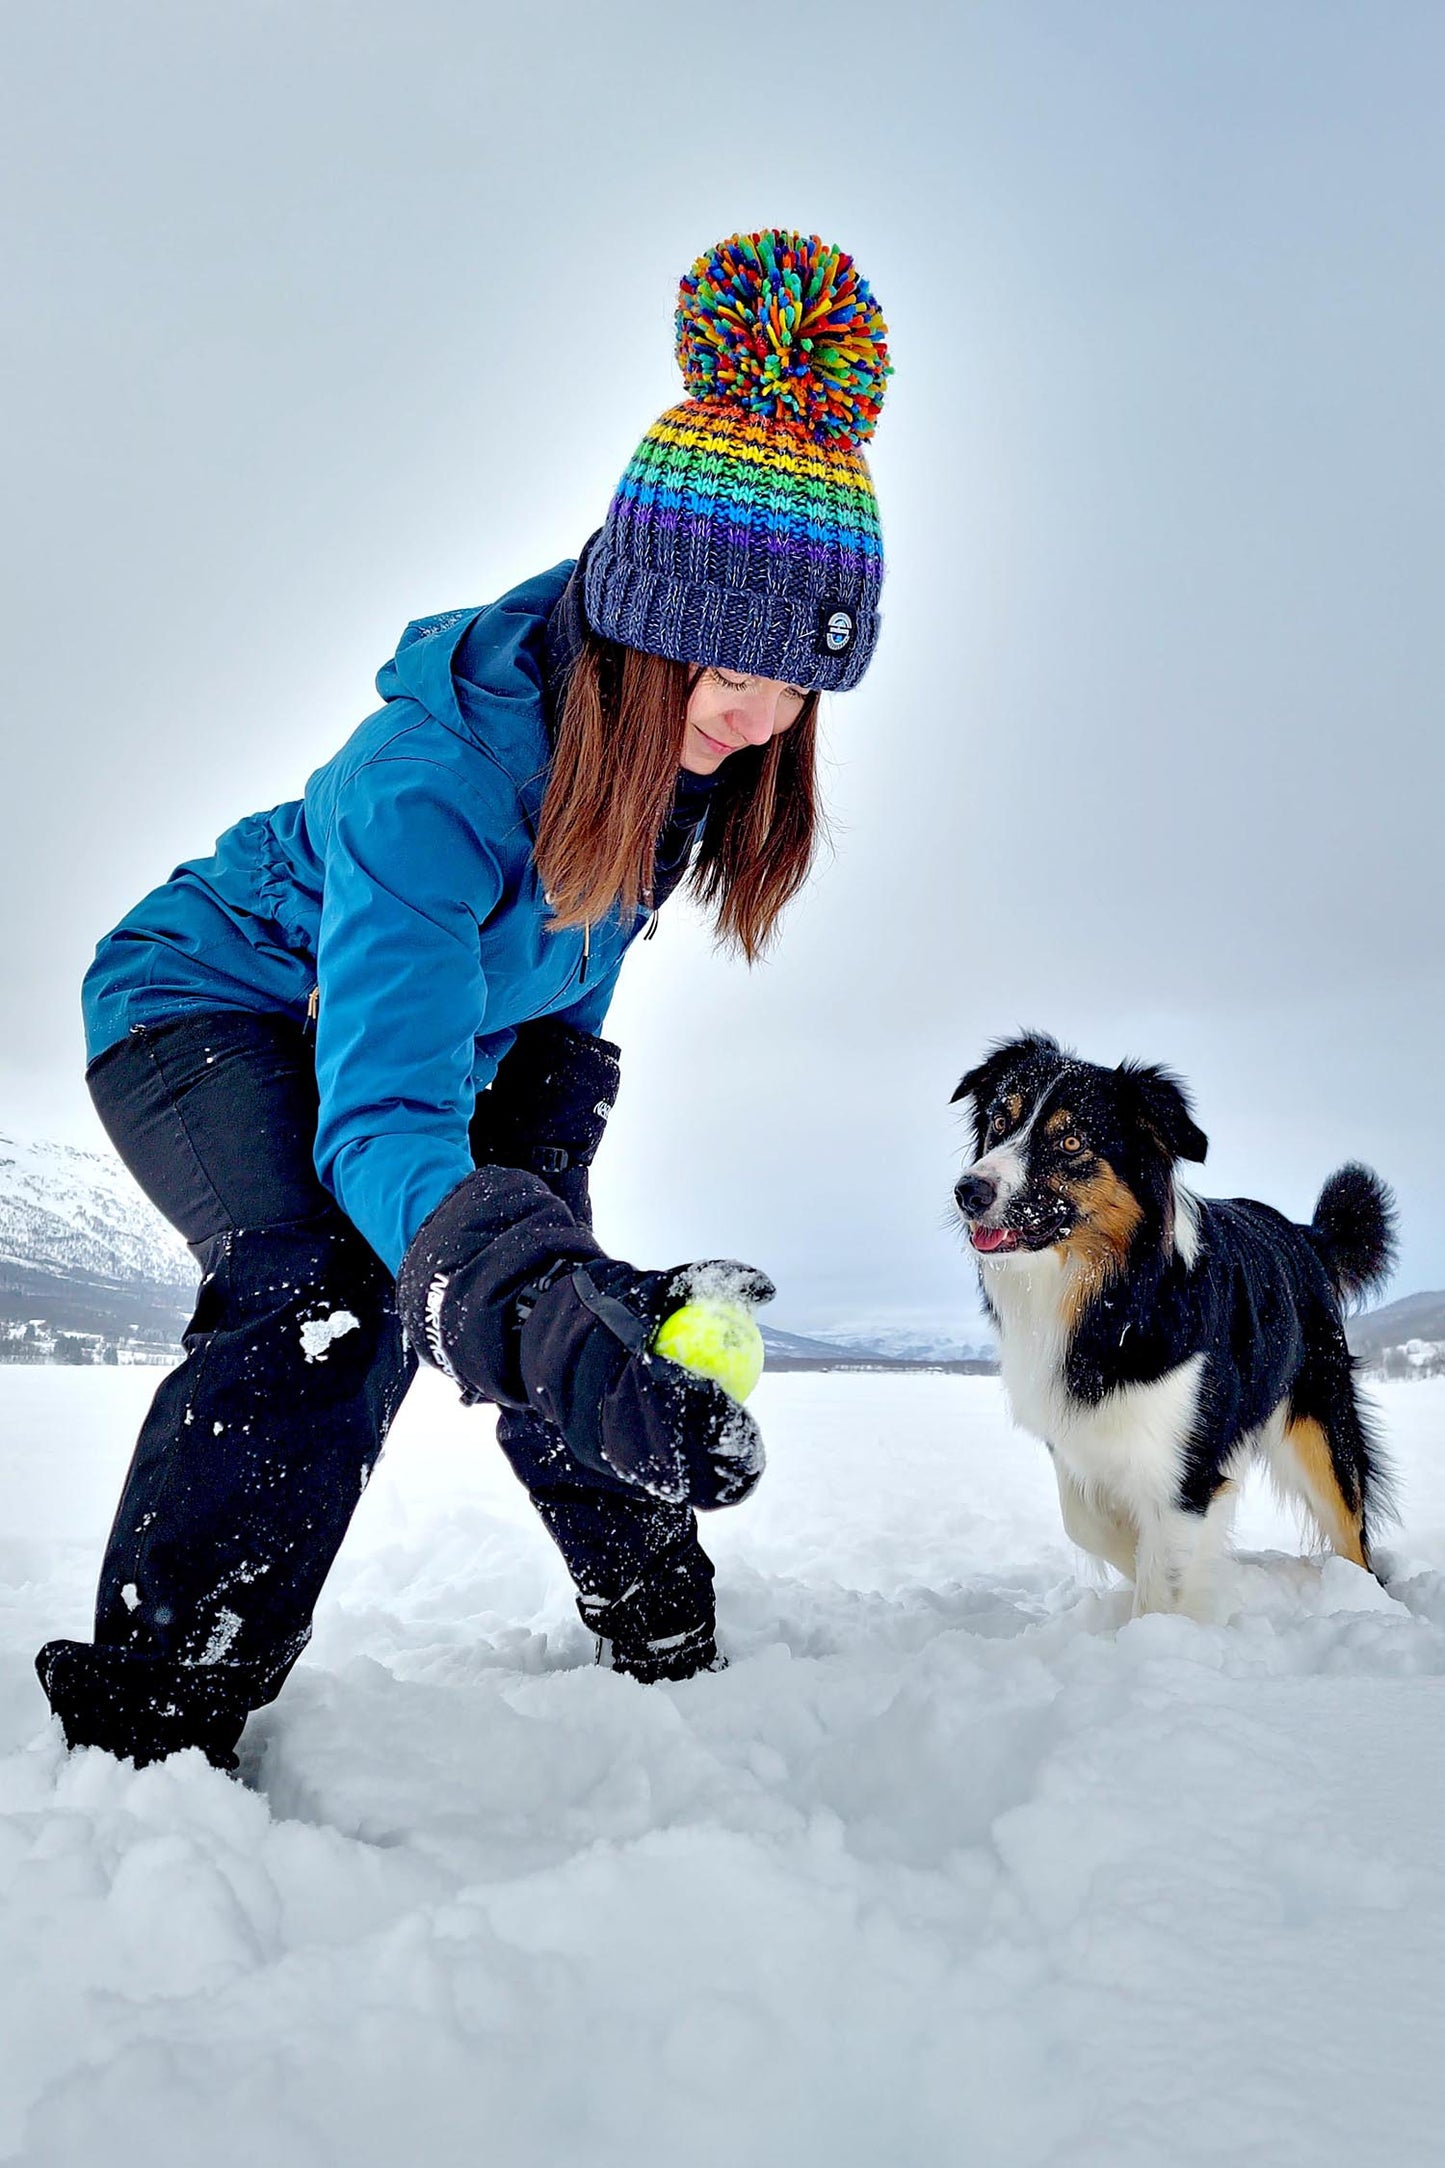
<point>953,1866</point>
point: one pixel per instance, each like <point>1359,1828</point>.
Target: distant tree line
<point>37,1342</point>
<point>1413,1359</point>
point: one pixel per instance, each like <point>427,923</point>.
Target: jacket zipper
<point>581,973</point>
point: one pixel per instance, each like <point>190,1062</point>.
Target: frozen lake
<point>954,1865</point>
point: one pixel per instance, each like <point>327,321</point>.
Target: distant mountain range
<point>1413,1317</point>
<point>908,1344</point>
<point>84,1258</point>
<point>89,1271</point>
<point>1404,1339</point>
<point>884,1350</point>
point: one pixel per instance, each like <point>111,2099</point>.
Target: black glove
<point>507,1293</point>
<point>547,1106</point>
<point>487,1243</point>
<point>587,1364</point>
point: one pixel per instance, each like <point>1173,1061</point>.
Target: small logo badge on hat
<point>837,628</point>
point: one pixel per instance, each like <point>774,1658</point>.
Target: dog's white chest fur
<point>1128,1446</point>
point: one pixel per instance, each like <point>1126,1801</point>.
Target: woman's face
<point>725,712</point>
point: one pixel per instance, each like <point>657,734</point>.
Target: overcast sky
<point>326,314</point>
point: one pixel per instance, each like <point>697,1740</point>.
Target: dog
<point>1158,1342</point>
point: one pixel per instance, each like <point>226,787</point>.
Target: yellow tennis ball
<point>718,1340</point>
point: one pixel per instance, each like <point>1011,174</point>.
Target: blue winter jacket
<point>402,888</point>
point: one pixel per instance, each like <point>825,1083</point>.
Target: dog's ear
<point>981,1083</point>
<point>1163,1106</point>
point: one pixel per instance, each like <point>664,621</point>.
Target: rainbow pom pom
<point>782,326</point>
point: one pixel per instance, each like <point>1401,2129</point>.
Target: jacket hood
<point>483,672</point>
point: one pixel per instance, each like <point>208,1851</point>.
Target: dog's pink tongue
<point>992,1238</point>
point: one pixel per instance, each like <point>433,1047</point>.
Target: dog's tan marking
<point>1108,1218</point>
<point>1320,1486</point>
<point>1058,1125</point>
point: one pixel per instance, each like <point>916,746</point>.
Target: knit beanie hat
<point>745,534</point>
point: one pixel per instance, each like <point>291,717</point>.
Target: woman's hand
<point>514,1299</point>
<point>588,1363</point>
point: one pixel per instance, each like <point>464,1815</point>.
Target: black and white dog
<point>1157,1341</point>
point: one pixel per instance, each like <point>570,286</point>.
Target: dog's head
<point>1071,1156</point>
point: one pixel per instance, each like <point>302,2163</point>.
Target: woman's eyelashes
<point>795,694</point>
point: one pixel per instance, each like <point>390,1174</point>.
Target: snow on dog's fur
<point>1157,1341</point>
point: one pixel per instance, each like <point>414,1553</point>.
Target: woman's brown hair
<point>619,746</point>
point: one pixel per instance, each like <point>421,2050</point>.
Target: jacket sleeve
<point>410,876</point>
<point>589,1011</point>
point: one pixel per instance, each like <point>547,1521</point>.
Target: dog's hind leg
<point>1094,1525</point>
<point>1177,1551</point>
<point>1320,1447</point>
<point>1314,1463</point>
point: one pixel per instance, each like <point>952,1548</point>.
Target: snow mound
<point>954,1864</point>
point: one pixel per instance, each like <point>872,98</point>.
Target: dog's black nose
<point>975,1193</point>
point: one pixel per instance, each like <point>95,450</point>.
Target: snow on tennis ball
<point>717,1340</point>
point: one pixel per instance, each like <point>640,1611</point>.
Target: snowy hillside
<point>912,1344</point>
<point>70,1211</point>
<point>74,1230</point>
<point>955,1865</point>
<point>82,1249</point>
<point>883,1349</point>
<point>89,1273</point>
<point>1402,1339</point>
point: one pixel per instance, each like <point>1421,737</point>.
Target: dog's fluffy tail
<point>1354,1230</point>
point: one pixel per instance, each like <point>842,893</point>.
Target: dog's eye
<point>1072,1144</point>
<point>998,1125</point>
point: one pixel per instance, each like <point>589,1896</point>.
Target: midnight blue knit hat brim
<point>759,634</point>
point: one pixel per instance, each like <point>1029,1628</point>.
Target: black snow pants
<point>258,1446</point>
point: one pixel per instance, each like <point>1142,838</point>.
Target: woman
<point>353,1056</point>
